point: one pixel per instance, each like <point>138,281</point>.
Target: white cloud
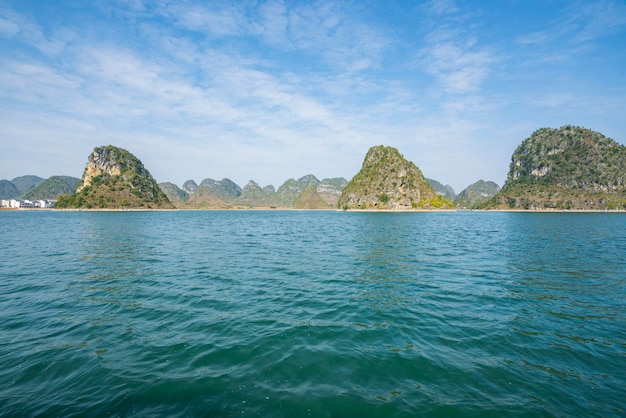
<point>453,54</point>
<point>211,19</point>
<point>270,90</point>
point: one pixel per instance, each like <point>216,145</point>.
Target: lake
<point>312,313</point>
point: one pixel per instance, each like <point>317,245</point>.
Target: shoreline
<point>319,210</point>
<point>330,210</point>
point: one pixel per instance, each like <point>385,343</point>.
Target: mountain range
<point>307,192</point>
<point>566,168</point>
<point>36,188</point>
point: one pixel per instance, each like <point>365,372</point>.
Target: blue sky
<point>268,90</point>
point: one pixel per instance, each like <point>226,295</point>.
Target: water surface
<point>287,313</point>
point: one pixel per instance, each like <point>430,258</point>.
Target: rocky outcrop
<point>566,168</point>
<point>570,157</point>
<point>114,178</point>
<point>475,194</point>
<point>388,181</point>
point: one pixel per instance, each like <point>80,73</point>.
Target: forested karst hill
<point>115,178</point>
<point>388,181</point>
<point>566,168</point>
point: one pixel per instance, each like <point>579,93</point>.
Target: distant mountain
<point>225,189</point>
<point>190,186</point>
<point>310,198</point>
<point>26,183</point>
<point>566,168</point>
<point>446,191</point>
<point>306,192</point>
<point>289,191</point>
<point>8,190</point>
<point>173,192</point>
<point>205,198</point>
<point>52,187</point>
<point>476,193</point>
<point>330,189</point>
<point>253,195</point>
<point>388,181</point>
<point>115,178</point>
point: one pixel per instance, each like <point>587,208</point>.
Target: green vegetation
<point>309,198</point>
<point>566,168</point>
<point>52,188</point>
<point>446,191</point>
<point>388,181</point>
<point>476,193</point>
<point>114,178</point>
<point>8,190</point>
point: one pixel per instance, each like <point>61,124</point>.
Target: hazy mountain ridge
<point>32,187</point>
<point>446,191</point>
<point>8,190</point>
<point>476,193</point>
<point>306,192</point>
<point>26,183</point>
<point>566,168</point>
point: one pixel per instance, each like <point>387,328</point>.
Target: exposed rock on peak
<point>388,181</point>
<point>566,168</point>
<point>114,178</point>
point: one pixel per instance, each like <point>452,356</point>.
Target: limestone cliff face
<point>114,178</point>
<point>570,157</point>
<point>566,168</point>
<point>388,181</point>
<point>102,161</point>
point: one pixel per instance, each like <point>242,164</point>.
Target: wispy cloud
<point>453,54</point>
<point>271,89</point>
<point>582,22</point>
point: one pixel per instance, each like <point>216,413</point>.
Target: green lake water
<point>312,313</point>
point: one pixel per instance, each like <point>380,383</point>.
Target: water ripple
<point>312,313</point>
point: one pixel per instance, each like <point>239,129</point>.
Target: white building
<point>19,203</point>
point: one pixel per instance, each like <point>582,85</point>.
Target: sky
<point>272,90</point>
